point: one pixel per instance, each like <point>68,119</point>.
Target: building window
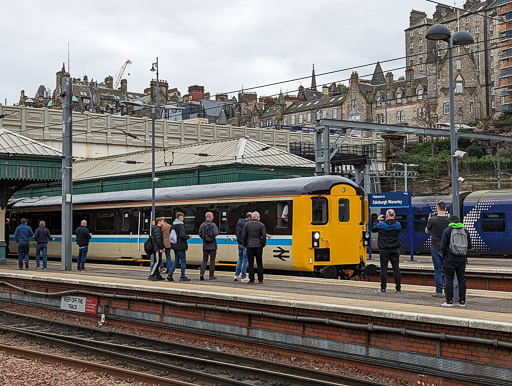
<point>439,53</point>
<point>85,100</point>
<point>446,108</point>
<point>399,97</point>
<point>493,104</point>
<point>403,115</point>
<point>492,77</point>
<point>434,68</point>
<point>477,60</point>
<point>309,117</point>
<point>420,94</point>
<point>335,113</point>
<point>458,87</point>
<point>411,33</point>
<point>300,118</point>
<point>476,42</point>
<point>411,45</point>
<point>492,63</point>
<point>421,31</point>
<point>293,119</point>
<point>458,64</point>
<point>492,52</point>
<point>379,100</point>
<point>471,107</point>
<point>491,27</point>
<point>421,67</point>
<point>317,115</point>
<point>419,113</point>
<point>421,43</point>
<point>285,121</point>
<point>411,58</point>
<point>324,114</point>
<point>476,29</point>
<point>492,91</point>
<point>476,17</point>
<point>398,116</point>
<point>353,104</point>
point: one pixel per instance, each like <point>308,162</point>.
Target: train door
<point>226,254</point>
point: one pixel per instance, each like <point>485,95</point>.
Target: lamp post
<point>405,165</point>
<point>154,67</point>
<point>459,38</point>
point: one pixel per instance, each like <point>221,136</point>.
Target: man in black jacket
<point>180,247</point>
<point>82,239</point>
<point>42,236</point>
<point>389,248</point>
<point>254,238</point>
<point>157,237</point>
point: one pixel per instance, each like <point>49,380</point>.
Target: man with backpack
<point>455,244</point>
<point>208,231</point>
<point>178,239</point>
<point>157,241</point>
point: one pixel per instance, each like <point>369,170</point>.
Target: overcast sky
<point>221,45</point>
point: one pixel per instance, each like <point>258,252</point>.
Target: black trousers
<point>386,256</point>
<point>258,254</point>
<point>208,254</point>
<point>450,269</point>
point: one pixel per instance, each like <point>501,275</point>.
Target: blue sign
<point>389,200</point>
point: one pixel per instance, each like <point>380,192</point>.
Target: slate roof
<point>315,104</point>
<point>244,151</point>
<point>13,143</point>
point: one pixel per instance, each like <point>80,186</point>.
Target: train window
<point>343,209</point>
<point>283,214</point>
<point>493,222</point>
<point>55,223</point>
<point>420,222</point>
<point>146,222</point>
<point>223,221</point>
<point>319,210</point>
<point>125,222</point>
<point>105,222</point>
<point>402,219</point>
<point>190,220</point>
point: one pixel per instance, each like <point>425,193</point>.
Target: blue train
<point>487,217</point>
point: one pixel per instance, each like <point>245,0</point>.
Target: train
<point>324,232</point>
<point>487,215</point>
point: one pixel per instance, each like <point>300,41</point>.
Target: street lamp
<point>459,38</point>
<point>405,165</point>
<point>154,67</point>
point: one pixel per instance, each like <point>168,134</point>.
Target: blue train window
<point>420,222</point>
<point>319,210</point>
<point>343,209</point>
<point>402,219</point>
<point>493,222</point>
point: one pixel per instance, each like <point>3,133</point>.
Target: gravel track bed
<point>213,343</point>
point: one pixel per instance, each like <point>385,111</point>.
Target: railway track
<point>153,361</point>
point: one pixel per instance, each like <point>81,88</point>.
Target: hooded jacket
<point>445,243</point>
<point>389,234</point>
<point>182,237</point>
<point>157,237</point>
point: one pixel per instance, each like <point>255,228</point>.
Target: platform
<point>484,310</point>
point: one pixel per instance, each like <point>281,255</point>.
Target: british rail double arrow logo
<point>281,254</point>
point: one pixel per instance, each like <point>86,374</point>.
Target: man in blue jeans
<point>435,226</point>
<point>180,247</point>
<point>82,239</point>
<point>23,233</point>
<point>241,265</point>
<point>42,236</point>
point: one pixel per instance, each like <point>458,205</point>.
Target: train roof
<point>247,189</point>
<point>498,195</point>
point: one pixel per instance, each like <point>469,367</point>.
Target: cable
<point>480,13</point>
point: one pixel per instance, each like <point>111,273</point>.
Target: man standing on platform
<point>42,236</point>
<point>23,233</point>
<point>157,238</point>
<point>455,244</point>
<point>208,231</point>
<point>180,246</point>
<point>435,226</point>
<point>82,239</point>
<point>389,248</point>
<point>166,231</point>
<point>241,265</point>
<point>255,239</point>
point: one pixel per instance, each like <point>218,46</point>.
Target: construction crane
<point>121,72</point>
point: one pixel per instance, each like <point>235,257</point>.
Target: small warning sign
<point>79,304</point>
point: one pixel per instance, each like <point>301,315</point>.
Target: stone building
<point>477,64</point>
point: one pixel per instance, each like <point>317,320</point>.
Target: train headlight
<point>315,239</point>
<point>366,238</point>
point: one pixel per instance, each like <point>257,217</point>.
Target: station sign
<point>79,304</point>
<point>389,200</point>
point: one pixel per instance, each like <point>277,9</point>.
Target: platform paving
<point>485,309</point>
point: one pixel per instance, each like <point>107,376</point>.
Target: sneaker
<point>236,278</point>
<point>160,278</point>
<point>250,282</point>
<point>380,290</point>
<point>169,278</point>
<point>201,278</point>
<point>212,278</point>
<point>244,280</point>
<point>26,264</point>
<point>462,303</point>
<point>37,267</point>
<point>398,291</point>
<point>447,304</point>
<point>79,269</point>
<point>184,278</point>
<point>152,278</point>
<point>84,269</point>
<point>261,281</point>
<point>437,295</point>
<point>44,268</point>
